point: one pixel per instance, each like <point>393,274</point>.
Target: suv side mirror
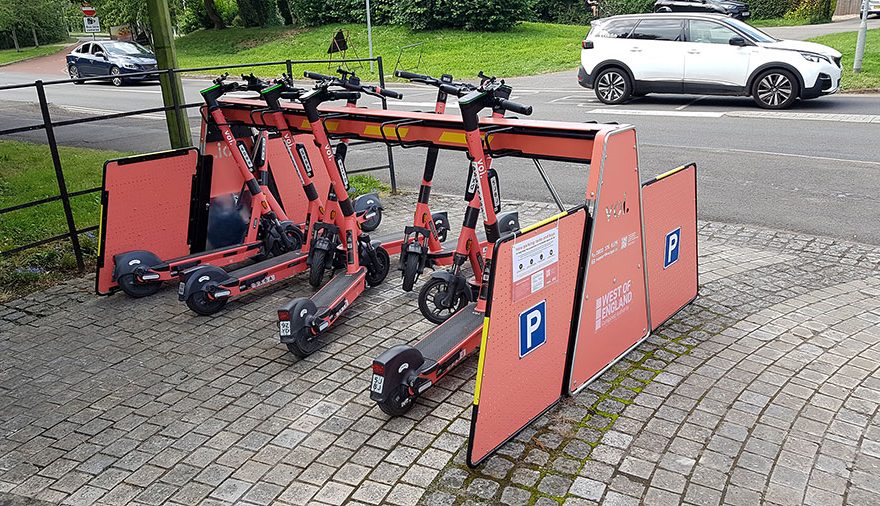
<point>737,41</point>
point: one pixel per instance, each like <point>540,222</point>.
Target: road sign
<point>91,24</point>
<point>89,11</point>
<point>532,329</point>
<point>673,239</point>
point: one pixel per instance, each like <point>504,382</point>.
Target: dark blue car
<point>113,58</point>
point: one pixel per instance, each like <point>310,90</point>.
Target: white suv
<point>703,54</point>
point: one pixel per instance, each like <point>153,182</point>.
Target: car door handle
<point>635,50</point>
<point>693,51</point>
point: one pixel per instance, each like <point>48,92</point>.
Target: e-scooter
<point>141,273</point>
<point>404,372</point>
<point>207,289</point>
<point>366,262</point>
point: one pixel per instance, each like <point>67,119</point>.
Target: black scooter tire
<point>202,305</point>
<point>427,306</point>
<point>398,403</point>
<point>378,274</point>
<point>410,271</point>
<point>131,287</point>
<point>317,267</point>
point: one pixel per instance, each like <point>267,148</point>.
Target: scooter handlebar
<point>518,108</point>
<point>412,76</point>
<point>457,91</point>
<point>389,93</point>
<point>345,95</point>
<point>317,77</point>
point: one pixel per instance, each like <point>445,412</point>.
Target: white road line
<point>642,112</point>
<point>92,110</point>
<point>758,152</point>
<point>683,107</point>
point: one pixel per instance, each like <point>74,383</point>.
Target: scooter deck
<point>180,263</point>
<point>290,256</point>
<point>447,336</point>
<point>336,287</point>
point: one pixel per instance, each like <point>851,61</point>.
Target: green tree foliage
<point>31,22</point>
<point>259,12</point>
<point>481,15</point>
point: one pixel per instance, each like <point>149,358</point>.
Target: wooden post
<point>172,90</point>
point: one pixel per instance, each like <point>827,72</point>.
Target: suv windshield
<point>752,32</point>
<point>127,49</point>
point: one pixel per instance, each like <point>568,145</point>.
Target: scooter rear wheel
<point>430,298</point>
<point>410,271</point>
<point>200,303</point>
<point>376,275</point>
<point>317,267</point>
<point>398,403</point>
<point>135,289</point>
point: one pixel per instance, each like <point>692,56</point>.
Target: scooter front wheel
<point>201,304</point>
<point>317,267</point>
<point>398,403</point>
<point>410,271</point>
<point>431,298</point>
<point>137,289</point>
<point>376,273</point>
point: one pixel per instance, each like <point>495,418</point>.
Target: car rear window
<point>615,29</point>
<point>657,29</point>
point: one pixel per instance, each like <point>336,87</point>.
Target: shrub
<point>481,15</point>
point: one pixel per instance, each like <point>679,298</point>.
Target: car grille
<point>149,67</point>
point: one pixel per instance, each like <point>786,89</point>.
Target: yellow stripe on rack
<point>543,222</point>
<point>453,137</point>
<point>373,131</point>
<point>482,360</point>
<point>670,172</point>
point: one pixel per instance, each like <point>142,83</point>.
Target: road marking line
<point>92,110</point>
<point>642,112</point>
<point>682,107</point>
<point>810,116</point>
<point>758,152</point>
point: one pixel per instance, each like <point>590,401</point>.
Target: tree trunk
<point>36,40</point>
<point>213,15</point>
<point>284,10</point>
<point>15,39</point>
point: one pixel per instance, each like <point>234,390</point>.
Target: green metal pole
<point>166,56</point>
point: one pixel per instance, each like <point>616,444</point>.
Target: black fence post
<point>388,147</point>
<point>289,69</point>
<point>59,175</point>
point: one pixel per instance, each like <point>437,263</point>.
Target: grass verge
<point>869,77</point>
<point>529,48</point>
<point>771,22</point>
<point>27,174</point>
<point>8,56</point>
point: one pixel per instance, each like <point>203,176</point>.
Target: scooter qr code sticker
<point>284,328</point>
<point>378,383</point>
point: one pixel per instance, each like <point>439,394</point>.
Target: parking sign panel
<point>673,243</point>
<point>532,328</point>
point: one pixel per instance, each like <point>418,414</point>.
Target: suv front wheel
<point>613,86</point>
<point>775,89</point>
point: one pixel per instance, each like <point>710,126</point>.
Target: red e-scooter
<point>207,289</point>
<point>141,273</point>
<point>403,372</point>
<point>366,262</point>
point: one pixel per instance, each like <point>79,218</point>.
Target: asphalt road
<point>813,168</point>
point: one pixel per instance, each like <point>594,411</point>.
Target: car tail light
<point>283,315</point>
<point>378,369</point>
<point>587,44</point>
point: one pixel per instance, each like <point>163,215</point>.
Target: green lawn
<point>869,78</point>
<point>530,48</point>
<point>11,55</point>
<point>770,22</point>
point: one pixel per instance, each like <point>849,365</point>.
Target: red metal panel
<point>146,206</point>
<point>517,354</point>
<point>613,306</point>
<point>670,209</point>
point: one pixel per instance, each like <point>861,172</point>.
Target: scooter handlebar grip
<point>411,75</point>
<point>390,93</point>
<point>345,95</point>
<point>453,90</point>
<point>525,110</point>
<point>316,76</point>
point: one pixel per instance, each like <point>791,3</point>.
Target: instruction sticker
<point>535,263</point>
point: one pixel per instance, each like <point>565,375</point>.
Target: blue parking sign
<point>532,328</point>
<point>673,243</point>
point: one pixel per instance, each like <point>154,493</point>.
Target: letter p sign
<point>532,328</point>
<point>673,242</point>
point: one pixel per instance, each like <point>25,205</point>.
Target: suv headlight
<point>815,58</point>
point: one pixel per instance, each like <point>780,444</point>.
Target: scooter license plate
<point>378,383</point>
<point>284,328</point>
<point>181,288</point>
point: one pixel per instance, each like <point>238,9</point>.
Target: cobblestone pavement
<point>766,389</point>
